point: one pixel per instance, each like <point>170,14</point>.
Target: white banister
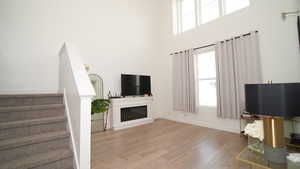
<point>78,92</point>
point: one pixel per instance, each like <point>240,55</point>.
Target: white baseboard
<point>204,124</point>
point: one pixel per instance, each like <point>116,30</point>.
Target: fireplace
<point>129,112</point>
<point>133,113</point>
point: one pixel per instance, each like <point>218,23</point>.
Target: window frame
<point>220,4</point>
<point>178,28</point>
<point>225,12</point>
<point>179,19</point>
<point>198,79</point>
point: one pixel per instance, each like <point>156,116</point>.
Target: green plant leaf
<point>100,105</point>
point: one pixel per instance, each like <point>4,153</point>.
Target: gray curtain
<point>238,63</point>
<point>184,89</point>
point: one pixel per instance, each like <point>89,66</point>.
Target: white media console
<point>129,112</point>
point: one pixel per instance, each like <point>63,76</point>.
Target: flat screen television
<point>135,85</point>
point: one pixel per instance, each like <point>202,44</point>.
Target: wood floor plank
<point>166,144</point>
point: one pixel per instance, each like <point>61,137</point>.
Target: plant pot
<point>98,116</point>
<point>97,122</point>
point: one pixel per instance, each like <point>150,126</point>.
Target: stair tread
<point>31,95</point>
<point>31,107</point>
<point>26,123</point>
<point>38,159</point>
<point>28,140</point>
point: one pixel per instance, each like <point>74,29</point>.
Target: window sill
<point>206,107</point>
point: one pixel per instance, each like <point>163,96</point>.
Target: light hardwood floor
<point>166,145</point>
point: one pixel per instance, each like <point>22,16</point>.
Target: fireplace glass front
<point>133,113</point>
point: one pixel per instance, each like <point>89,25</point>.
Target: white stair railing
<point>78,92</point>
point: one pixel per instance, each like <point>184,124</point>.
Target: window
<point>234,5</point>
<point>190,13</point>
<point>207,79</point>
<point>209,10</point>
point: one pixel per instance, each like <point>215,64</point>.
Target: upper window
<point>234,5</point>
<point>209,10</point>
<point>190,13</point>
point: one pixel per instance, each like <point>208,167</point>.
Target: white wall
<point>278,42</point>
<point>132,36</point>
<point>114,36</point>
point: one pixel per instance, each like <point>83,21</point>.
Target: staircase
<point>33,132</point>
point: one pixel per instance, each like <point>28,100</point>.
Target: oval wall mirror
<point>97,83</point>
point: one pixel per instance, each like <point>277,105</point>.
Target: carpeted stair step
<point>57,159</point>
<point>13,113</point>
<point>30,99</point>
<point>33,132</point>
<point>21,128</point>
<point>27,123</point>
<point>23,141</point>
<point>61,164</point>
<point>25,146</point>
<point>49,125</point>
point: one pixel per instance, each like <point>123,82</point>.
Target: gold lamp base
<point>274,139</point>
<point>273,131</point>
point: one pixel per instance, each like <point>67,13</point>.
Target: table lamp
<point>273,102</point>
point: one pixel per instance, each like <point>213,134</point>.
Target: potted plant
<point>99,108</point>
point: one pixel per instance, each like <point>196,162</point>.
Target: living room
<point>143,38</point>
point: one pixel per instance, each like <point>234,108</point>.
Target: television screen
<point>277,99</point>
<point>135,85</point>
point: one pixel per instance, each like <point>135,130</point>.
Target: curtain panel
<point>238,63</point>
<point>184,82</point>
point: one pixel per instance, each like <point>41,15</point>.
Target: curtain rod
<point>213,44</point>
<point>294,13</point>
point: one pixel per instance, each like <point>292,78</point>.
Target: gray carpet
<point>33,132</point>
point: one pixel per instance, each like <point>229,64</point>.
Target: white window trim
<point>179,15</point>
<point>221,7</point>
<point>198,12</point>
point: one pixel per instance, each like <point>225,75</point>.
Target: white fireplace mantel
<point>114,121</point>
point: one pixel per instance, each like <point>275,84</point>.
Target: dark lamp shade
<point>281,100</point>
